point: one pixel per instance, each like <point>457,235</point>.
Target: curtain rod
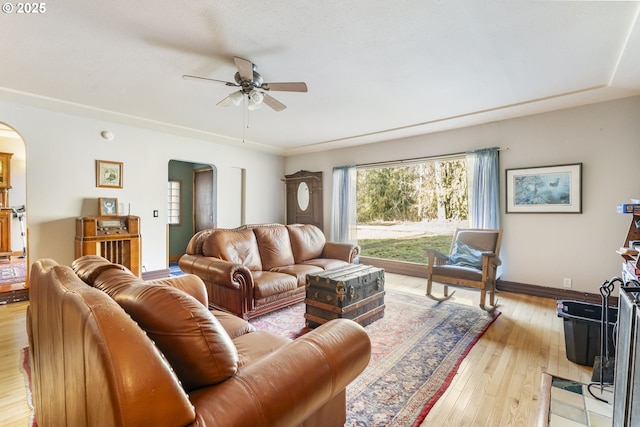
<point>419,159</point>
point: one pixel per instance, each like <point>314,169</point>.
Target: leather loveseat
<point>256,269</point>
<point>109,349</point>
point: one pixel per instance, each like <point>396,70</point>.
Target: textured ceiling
<point>376,70</point>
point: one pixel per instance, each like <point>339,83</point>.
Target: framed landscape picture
<point>545,189</point>
<point>108,174</point>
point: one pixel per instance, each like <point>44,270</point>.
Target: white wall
<point>61,150</point>
<point>539,249</point>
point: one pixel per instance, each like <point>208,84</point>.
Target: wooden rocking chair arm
<point>493,258</point>
<point>437,256</point>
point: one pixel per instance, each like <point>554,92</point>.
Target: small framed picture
<point>107,206</point>
<point>108,174</point>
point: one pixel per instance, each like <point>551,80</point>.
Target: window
<point>405,207</point>
<point>174,205</point>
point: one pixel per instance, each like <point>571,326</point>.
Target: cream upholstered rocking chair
<point>472,262</point>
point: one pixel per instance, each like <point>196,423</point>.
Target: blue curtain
<point>343,213</point>
<point>484,188</point>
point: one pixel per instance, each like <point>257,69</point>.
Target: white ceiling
<point>376,69</point>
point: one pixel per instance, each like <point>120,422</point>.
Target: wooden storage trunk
<point>353,292</point>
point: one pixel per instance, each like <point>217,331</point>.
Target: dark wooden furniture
<point>304,198</point>
<point>5,178</point>
<point>5,233</point>
<point>353,292</point>
<point>116,238</point>
<point>5,212</point>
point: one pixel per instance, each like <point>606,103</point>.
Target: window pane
<point>174,207</point>
<point>403,209</point>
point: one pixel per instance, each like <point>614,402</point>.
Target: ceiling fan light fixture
<point>236,98</point>
<point>251,105</point>
<point>256,97</point>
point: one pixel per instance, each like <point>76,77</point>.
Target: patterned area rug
<point>416,351</point>
<point>13,273</point>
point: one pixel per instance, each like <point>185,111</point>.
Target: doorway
<point>13,217</point>
<point>197,203</point>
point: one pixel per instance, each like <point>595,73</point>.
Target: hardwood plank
<point>13,338</point>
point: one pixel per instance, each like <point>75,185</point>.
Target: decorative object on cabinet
<point>545,189</point>
<point>107,206</point>
<point>304,198</point>
<point>629,251</point>
<point>114,238</point>
<point>108,174</point>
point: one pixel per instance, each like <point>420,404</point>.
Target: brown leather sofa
<point>108,349</point>
<point>256,269</point>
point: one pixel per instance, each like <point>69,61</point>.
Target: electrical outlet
<point>567,282</point>
<point>155,214</point>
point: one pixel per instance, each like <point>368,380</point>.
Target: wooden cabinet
<point>116,238</point>
<point>5,232</point>
<point>5,178</point>
<point>304,198</point>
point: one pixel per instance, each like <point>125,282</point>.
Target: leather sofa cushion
<point>307,242</point>
<point>274,246</point>
<point>239,247</point>
<point>88,267</point>
<point>326,263</point>
<point>194,342</point>
<point>234,325</point>
<point>299,271</point>
<point>267,284</point>
<point>257,345</point>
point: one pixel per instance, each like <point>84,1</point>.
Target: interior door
<point>203,204</point>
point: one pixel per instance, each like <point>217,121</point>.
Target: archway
<point>13,216</point>
<point>197,203</point>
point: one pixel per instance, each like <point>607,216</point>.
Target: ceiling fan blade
<point>273,103</point>
<point>245,68</point>
<point>188,77</point>
<point>288,86</point>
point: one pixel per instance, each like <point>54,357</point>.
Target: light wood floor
<point>497,384</point>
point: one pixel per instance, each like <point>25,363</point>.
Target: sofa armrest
<point>318,366</point>
<point>214,270</point>
<point>188,283</point>
<point>343,251</point>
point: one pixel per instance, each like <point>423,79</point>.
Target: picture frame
<point>108,174</point>
<point>107,206</point>
<point>544,189</point>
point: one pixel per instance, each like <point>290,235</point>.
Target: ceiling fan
<point>251,84</point>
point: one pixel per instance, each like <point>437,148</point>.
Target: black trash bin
<point>582,326</point>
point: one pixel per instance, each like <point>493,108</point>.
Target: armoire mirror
<point>303,196</point>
